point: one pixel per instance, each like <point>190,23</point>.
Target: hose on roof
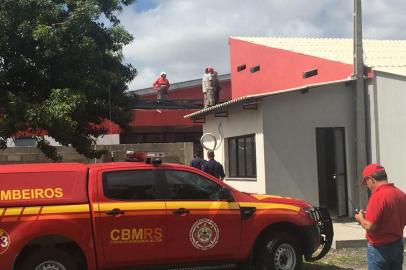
<point>213,138</point>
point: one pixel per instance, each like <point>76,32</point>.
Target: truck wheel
<point>279,252</point>
<point>48,259</point>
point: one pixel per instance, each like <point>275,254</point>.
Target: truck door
<point>131,224</point>
<point>200,227</point>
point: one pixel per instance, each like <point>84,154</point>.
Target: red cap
<point>370,170</point>
<point>210,69</point>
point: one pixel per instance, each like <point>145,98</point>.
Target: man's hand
<point>367,225</point>
<point>359,216</point>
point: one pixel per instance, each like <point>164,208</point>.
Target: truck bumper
<point>320,235</point>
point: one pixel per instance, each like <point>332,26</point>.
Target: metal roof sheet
<point>382,55</point>
<point>250,98</point>
<point>179,85</point>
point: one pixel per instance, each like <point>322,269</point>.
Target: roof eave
<point>246,99</point>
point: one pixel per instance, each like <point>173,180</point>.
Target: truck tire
<point>279,252</point>
<point>48,259</point>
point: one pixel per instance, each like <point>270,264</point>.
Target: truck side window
<point>190,186</point>
<point>130,185</point>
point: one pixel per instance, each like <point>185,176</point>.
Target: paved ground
<point>349,235</point>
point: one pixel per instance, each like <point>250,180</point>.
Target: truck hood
<point>279,199</point>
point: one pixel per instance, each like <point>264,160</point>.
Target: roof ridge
<point>316,38</point>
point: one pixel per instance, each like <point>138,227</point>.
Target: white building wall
<point>389,122</point>
<point>285,133</point>
<point>290,122</point>
<point>238,123</point>
<point>371,129</point>
<point>108,139</point>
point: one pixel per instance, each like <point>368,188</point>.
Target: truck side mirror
<point>225,195</point>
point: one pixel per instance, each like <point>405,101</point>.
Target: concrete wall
<point>290,138</point>
<point>107,139</point>
<point>180,153</point>
<point>388,125</point>
<point>239,122</point>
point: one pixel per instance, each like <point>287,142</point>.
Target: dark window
<point>232,148</point>
<point>130,185</point>
<point>255,69</point>
<point>129,138</point>
<point>310,73</point>
<point>241,67</point>
<point>191,187</point>
<point>241,155</point>
<point>25,141</point>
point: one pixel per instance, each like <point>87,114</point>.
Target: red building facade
<point>258,69</point>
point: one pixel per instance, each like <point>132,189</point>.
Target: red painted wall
<point>280,69</point>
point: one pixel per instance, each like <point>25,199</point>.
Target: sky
<point>182,37</point>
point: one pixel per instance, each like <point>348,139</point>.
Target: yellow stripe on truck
<point>14,211</point>
<point>265,196</point>
<point>274,206</point>
<point>85,208</point>
<point>215,205</point>
<point>59,209</point>
<point>31,210</point>
<point>133,206</point>
<point>50,209</point>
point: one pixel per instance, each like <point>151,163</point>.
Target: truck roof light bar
<point>154,158</point>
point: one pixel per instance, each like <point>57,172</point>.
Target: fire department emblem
<point>204,234</point>
<point>4,241</point>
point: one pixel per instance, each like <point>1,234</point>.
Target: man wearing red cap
<point>384,220</point>
<point>161,84</point>
<point>208,87</point>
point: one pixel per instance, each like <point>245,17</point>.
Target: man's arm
<point>367,225</point>
<point>155,84</point>
<point>221,171</point>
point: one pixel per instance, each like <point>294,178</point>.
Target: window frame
<point>166,194</point>
<point>234,140</point>
<point>157,183</point>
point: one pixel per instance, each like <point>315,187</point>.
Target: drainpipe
<point>359,75</point>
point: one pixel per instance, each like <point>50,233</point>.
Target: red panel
<point>160,117</point>
<point>280,69</point>
<point>43,184</point>
<point>31,132</point>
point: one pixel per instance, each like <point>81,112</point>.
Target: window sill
<point>241,179</point>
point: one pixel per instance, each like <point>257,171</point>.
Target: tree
<point>62,71</point>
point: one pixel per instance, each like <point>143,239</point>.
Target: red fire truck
<point>128,215</point>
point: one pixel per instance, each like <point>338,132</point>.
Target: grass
<point>349,259</point>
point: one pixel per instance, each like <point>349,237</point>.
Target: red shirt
<point>160,81</point>
<point>387,210</point>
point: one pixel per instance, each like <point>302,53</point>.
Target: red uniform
<point>161,82</point>
<point>387,210</point>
